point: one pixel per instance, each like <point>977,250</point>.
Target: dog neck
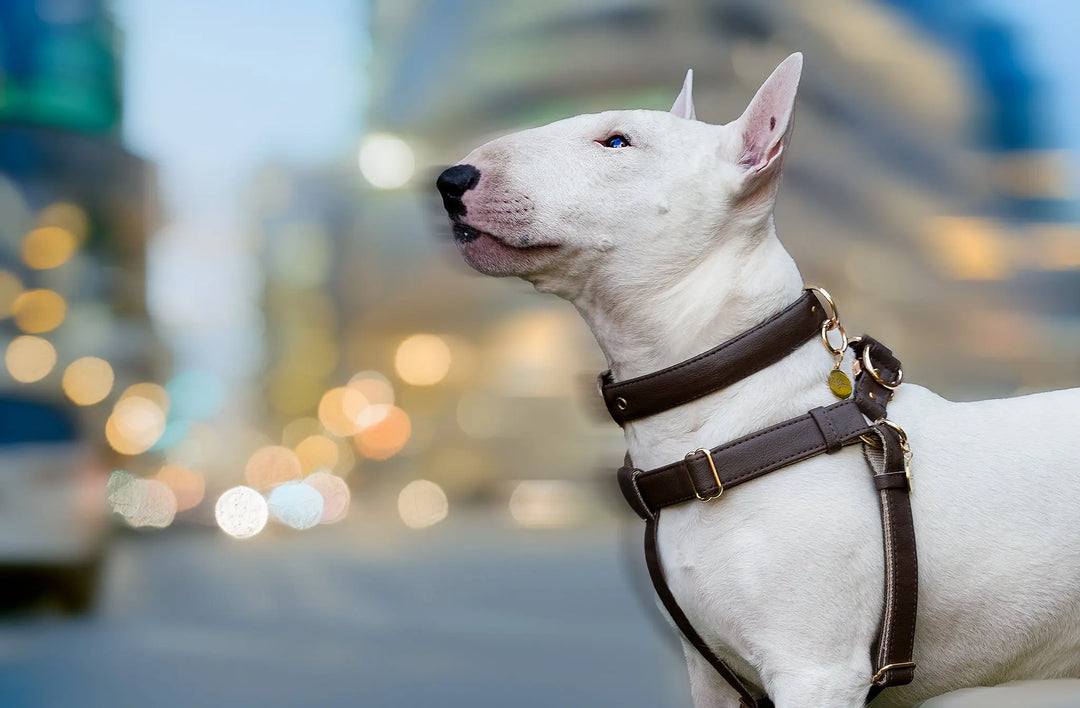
<point>728,292</point>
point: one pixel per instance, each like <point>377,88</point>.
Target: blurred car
<point>53,516</point>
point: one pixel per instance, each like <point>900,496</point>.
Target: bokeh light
<point>196,394</point>
<point>422,503</point>
<point>385,438</point>
<point>67,216</point>
<point>48,247</point>
<point>241,512</point>
<point>386,161</point>
<point>422,359</point>
<point>10,288</point>
<point>335,494</point>
<point>141,502</point>
<point>29,358</point>
<point>272,465</point>
<point>39,310</point>
<point>135,425</point>
<point>296,504</point>
<point>187,485</point>
<point>317,452</point>
<point>547,503</point>
<point>340,409</point>
<point>87,380</point>
<point>149,391</point>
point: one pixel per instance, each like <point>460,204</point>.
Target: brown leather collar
<point>718,368</point>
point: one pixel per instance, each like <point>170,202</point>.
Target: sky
<point>213,90</point>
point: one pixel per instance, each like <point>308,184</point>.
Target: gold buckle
<point>869,366</point>
<point>715,474</point>
<point>883,669</point>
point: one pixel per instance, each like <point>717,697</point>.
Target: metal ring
<point>826,327</point>
<point>824,294</point>
<point>894,426</point>
<point>715,474</point>
<point>869,366</point>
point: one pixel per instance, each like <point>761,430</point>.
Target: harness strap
<point>734,360</point>
<point>705,474</point>
<point>663,591</point>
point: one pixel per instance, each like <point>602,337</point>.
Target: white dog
<point>659,229</point>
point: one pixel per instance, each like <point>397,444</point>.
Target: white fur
<point>667,248</point>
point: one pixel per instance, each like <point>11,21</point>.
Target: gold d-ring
<point>715,474</point>
<point>835,316</point>
<point>869,366</point>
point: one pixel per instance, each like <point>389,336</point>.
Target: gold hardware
<point>839,383</point>
<point>889,667</point>
<point>715,474</point>
<point>826,327</point>
<point>905,446</point>
<point>621,403</point>
<point>869,366</point>
<point>824,294</point>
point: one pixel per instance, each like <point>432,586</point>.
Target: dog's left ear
<point>684,104</point>
<point>765,126</point>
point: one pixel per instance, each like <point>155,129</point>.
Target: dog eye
<point>616,141</point>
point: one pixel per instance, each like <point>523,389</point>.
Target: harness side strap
<point>893,660</point>
<point>656,572</point>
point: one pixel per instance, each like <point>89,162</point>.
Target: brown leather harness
<point>705,474</point>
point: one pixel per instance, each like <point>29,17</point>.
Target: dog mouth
<point>497,255</point>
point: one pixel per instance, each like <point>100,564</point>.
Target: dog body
<point>659,229</point>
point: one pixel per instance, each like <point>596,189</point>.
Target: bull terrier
<point>659,229</point>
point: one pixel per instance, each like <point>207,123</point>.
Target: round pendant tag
<point>839,384</point>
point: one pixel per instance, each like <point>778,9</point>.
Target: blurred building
<point>75,208</point>
<point>891,165</point>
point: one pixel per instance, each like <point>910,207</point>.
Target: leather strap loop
<point>833,443</point>
<point>718,368</point>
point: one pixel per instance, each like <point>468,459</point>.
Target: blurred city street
<point>481,614</point>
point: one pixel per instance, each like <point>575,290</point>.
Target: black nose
<point>453,183</point>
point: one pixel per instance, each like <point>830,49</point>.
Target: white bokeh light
<point>296,504</point>
<point>386,161</point>
<point>241,512</point>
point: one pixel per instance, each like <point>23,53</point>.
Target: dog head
<point>622,198</point>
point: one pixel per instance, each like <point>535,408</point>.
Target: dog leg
<point>820,687</point>
<point>706,687</point>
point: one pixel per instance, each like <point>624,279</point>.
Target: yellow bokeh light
<point>10,288</point>
<point>272,465</point>
<point>422,503</point>
<point>29,358</point>
<point>317,452</point>
<point>149,391</point>
<point>67,216</point>
<point>422,359</point>
<point>88,380</point>
<point>48,247</point>
<point>135,425</point>
<point>340,408</point>
<point>297,430</point>
<point>188,485</point>
<point>385,438</point>
<point>39,311</point>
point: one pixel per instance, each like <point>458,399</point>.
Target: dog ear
<point>684,104</point>
<point>765,126</point>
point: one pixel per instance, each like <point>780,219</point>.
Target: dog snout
<point>453,183</point>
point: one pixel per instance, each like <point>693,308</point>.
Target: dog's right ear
<point>684,104</point>
<point>764,129</point>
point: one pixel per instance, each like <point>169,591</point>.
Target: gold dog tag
<point>839,383</point>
